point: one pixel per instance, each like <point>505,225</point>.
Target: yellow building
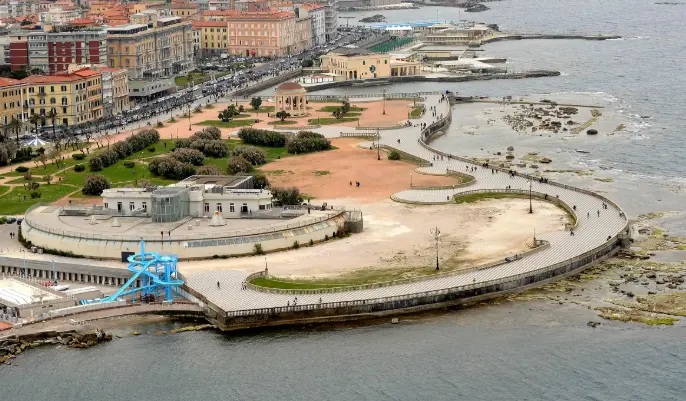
<point>75,97</point>
<point>352,63</point>
<point>151,47</point>
<point>10,89</point>
<point>213,37</point>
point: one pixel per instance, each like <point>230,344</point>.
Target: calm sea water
<point>524,351</point>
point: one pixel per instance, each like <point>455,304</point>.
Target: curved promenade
<point>595,237</point>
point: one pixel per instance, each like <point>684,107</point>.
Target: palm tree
<point>15,125</point>
<point>52,115</point>
<point>34,119</point>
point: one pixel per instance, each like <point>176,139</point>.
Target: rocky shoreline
<point>11,346</point>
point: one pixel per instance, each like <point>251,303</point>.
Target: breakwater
<point>500,38</point>
<point>422,78</point>
<point>13,345</point>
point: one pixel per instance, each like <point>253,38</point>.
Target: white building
<point>317,14</point>
<point>196,196</point>
<point>331,19</point>
<point>59,15</point>
<point>14,9</point>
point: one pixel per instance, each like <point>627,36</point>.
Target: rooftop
<point>215,180</point>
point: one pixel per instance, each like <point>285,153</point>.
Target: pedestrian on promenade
<point>598,213</point>
<point>217,284</point>
<point>588,214</point>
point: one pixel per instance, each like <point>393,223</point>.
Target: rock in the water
<point>374,18</point>
<point>545,160</point>
<point>477,8</point>
<point>592,132</point>
<point>510,148</point>
<point>593,324</point>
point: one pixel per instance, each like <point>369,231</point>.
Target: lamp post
<point>531,209</point>
<point>383,92</point>
<point>54,277</point>
<point>190,100</point>
<point>436,232</point>
<point>25,271</point>
<point>410,180</point>
<point>378,145</point>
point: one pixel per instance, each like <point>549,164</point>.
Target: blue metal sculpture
<point>157,274</point>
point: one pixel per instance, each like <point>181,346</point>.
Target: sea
<point>522,350</point>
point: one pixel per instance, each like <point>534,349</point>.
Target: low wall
<point>267,84</point>
<point>194,246</point>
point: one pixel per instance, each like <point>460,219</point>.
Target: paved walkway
<point>592,231</point>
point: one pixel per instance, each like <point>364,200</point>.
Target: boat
<point>582,151</point>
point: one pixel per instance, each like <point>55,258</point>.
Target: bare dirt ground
<point>327,175</point>
<point>398,236</point>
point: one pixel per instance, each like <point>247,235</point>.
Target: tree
<point>338,113</point>
<point>43,159</point>
<point>282,115</point>
<point>52,116</point>
<point>256,102</point>
<point>250,153</point>
<point>94,185</point>
<point>55,156</point>
<point>48,179</point>
<point>225,116</point>
<point>232,109</point>
<point>15,125</point>
<point>286,196</point>
<point>34,119</point>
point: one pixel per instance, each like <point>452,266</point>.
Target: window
<point>219,207</point>
<point>232,209</point>
<point>145,206</point>
<point>119,206</point>
<point>106,206</point>
<point>132,206</point>
<point>262,207</point>
<point>244,208</point>
<point>207,207</point>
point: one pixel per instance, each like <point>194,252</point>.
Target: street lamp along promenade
<point>436,232</point>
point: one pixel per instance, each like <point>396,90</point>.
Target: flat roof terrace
<point>48,218</point>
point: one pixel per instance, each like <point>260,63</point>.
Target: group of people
<point>357,184</point>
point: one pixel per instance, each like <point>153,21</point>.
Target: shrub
<point>239,165</point>
<point>79,168</point>
<point>78,156</point>
<point>27,176</point>
<point>209,170</point>
<point>286,196</point>
<point>96,163</point>
<point>252,154</point>
<point>393,155</point>
<point>3,220</point>
<point>262,137</point>
<point>311,242</point>
<point>207,133</point>
<point>94,185</point>
<point>190,156</point>
<point>151,149</point>
<point>260,181</point>
<point>160,124</point>
<point>182,143</point>
<point>171,168</point>
<point>308,141</point>
<point>211,148</point>
<point>35,195</point>
<point>257,249</point>
<point>326,237</point>
<point>129,164</point>
<point>123,149</point>
<point>109,157</point>
<point>4,155</point>
<point>21,169</point>
<point>296,244</point>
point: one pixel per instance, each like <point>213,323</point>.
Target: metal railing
<point>541,245</point>
<point>30,222</point>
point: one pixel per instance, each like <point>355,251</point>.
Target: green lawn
<point>417,111</point>
<point>331,120</point>
<point>115,173</point>
<point>4,189</point>
<point>243,115</point>
<point>486,196</point>
<point>263,109</point>
<point>284,122</point>
<point>49,168</point>
<point>331,109</point>
<point>228,124</point>
<point>160,149</point>
<point>14,202</point>
<point>21,180</point>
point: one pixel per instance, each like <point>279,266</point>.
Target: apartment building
<point>15,9</point>
<point>115,88</point>
<point>186,11</point>
<point>75,97</point>
<point>317,15</point>
<point>213,37</point>
<point>53,52</point>
<point>331,18</point>
<point>151,46</point>
<point>11,91</point>
<point>264,33</point>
